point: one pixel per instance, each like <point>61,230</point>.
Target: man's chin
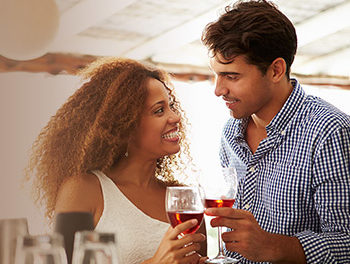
<point>235,115</point>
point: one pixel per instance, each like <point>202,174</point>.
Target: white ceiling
<point>168,31</point>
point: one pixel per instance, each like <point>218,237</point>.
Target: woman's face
<point>157,133</point>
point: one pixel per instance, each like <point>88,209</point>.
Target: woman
<point>111,150</point>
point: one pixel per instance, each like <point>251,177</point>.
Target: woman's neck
<point>133,171</point>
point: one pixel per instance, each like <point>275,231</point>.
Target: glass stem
<point>220,242</point>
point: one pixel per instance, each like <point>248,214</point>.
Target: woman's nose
<point>174,117</point>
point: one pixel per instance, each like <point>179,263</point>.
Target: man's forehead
<point>218,62</point>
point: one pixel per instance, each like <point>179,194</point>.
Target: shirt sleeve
<point>331,182</point>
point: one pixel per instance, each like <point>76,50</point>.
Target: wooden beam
<point>57,63</point>
<point>51,63</point>
<point>342,82</point>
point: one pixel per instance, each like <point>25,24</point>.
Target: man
<point>291,150</point>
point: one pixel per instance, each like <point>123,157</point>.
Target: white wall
<point>26,103</point>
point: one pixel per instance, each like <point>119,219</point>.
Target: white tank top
<point>137,234</point>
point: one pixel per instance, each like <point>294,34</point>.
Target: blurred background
<point>45,42</point>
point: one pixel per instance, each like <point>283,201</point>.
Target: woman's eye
<point>159,110</point>
<point>172,106</point>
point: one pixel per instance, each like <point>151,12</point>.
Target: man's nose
<point>220,89</point>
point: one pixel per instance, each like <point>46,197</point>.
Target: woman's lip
<point>171,130</point>
<point>172,139</point>
<point>171,135</point>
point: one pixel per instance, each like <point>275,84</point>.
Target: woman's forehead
<point>156,91</point>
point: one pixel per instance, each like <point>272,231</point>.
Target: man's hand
<point>251,241</point>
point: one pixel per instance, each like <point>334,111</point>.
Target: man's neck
<point>262,118</point>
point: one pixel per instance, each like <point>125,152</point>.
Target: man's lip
<point>231,103</point>
<point>227,99</point>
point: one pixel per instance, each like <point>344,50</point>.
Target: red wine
<point>180,217</point>
<point>219,202</point>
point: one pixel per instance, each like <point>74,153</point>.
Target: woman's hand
<point>175,251</point>
<point>202,260</point>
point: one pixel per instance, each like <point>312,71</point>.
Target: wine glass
<point>184,203</point>
<point>222,194</point>
<point>10,229</point>
<point>40,249</point>
<point>92,247</point>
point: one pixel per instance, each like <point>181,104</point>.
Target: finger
<point>202,260</point>
<point>227,212</point>
<point>193,259</point>
<point>227,222</point>
<point>191,248</point>
<point>169,231</point>
<point>191,238</point>
<point>231,236</point>
<point>233,246</point>
<point>183,227</point>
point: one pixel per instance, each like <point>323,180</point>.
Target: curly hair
<point>91,129</point>
<point>255,29</point>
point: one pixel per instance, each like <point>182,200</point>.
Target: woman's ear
<point>278,69</point>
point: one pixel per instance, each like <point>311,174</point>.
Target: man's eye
<point>232,77</point>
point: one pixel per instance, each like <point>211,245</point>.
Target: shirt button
<point>283,132</point>
<point>252,169</point>
<point>246,207</point>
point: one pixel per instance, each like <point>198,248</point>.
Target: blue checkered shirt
<point>297,183</point>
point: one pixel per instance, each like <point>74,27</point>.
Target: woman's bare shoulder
<point>79,193</point>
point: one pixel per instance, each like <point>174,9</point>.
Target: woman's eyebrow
<point>157,103</point>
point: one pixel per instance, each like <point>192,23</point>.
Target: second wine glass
<point>222,194</point>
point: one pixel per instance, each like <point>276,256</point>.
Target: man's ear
<point>277,69</point>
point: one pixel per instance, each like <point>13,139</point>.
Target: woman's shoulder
<point>83,183</point>
<point>79,193</point>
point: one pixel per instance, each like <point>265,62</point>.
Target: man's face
<point>243,87</point>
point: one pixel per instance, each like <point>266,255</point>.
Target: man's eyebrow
<point>228,73</point>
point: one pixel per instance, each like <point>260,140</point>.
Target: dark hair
<point>255,29</point>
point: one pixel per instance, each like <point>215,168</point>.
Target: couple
<point>116,144</point>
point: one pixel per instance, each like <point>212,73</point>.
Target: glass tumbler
<point>9,230</point>
<point>92,247</point>
<point>40,249</point>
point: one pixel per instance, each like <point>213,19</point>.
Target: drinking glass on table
<point>40,249</point>
<point>92,247</point>
<point>184,203</point>
<point>222,194</point>
<point>10,229</point>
